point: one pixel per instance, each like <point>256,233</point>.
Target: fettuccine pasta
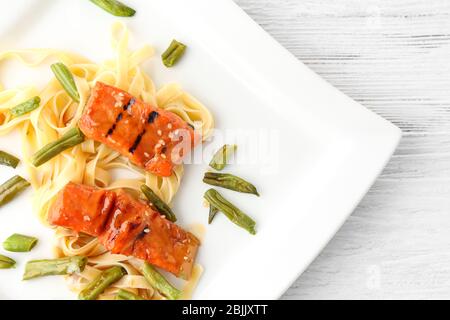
<point>92,163</point>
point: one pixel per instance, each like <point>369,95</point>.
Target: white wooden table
<point>394,58</point>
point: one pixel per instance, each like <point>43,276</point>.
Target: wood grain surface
<point>394,58</point>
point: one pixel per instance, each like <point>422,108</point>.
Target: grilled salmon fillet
<point>152,138</point>
<point>125,226</point>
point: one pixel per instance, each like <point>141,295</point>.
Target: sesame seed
<point>161,142</point>
<point>186,258</point>
<point>163,216</point>
<point>157,146</point>
<point>118,98</point>
<point>163,156</point>
<point>146,230</point>
<point>87,218</point>
<point>169,126</point>
<point>159,132</point>
<point>146,154</point>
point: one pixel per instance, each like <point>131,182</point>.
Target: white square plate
<point>330,151</point>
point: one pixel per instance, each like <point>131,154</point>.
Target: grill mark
<point>136,142</point>
<point>152,116</point>
<point>113,127</point>
<point>129,104</point>
<point>141,235</point>
<point>120,117</point>
<point>111,130</point>
<point>134,225</point>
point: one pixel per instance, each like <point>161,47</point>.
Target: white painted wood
<point>393,57</point>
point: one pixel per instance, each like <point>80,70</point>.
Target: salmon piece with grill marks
<point>125,226</point>
<point>152,138</point>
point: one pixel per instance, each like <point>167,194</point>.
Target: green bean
<point>65,78</point>
<point>127,295</point>
<point>173,53</point>
<point>221,157</point>
<point>229,181</point>
<point>6,262</point>
<point>103,281</point>
<point>19,243</point>
<point>70,139</point>
<point>26,107</point>
<point>114,7</point>
<point>160,205</point>
<point>49,267</point>
<point>231,212</point>
<point>11,188</point>
<point>212,213</point>
<point>158,282</point>
<point>8,159</point>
